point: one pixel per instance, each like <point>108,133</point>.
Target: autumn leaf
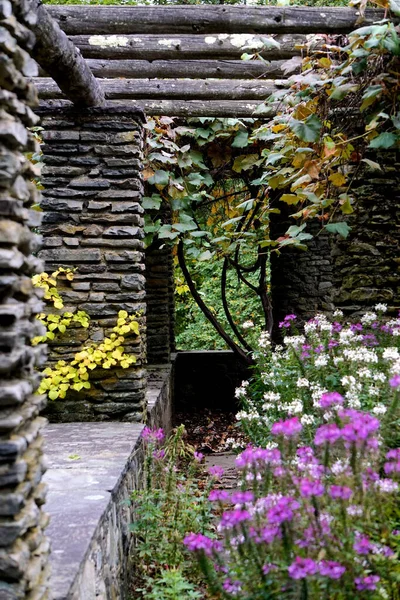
<point>337,179</point>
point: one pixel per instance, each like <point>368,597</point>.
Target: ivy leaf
<point>394,6</point>
<point>241,140</point>
<point>152,203</point>
<point>290,198</point>
<point>205,255</point>
<point>374,165</point>
<point>160,178</point>
<point>342,228</point>
<point>337,179</point>
<point>384,140</point>
<point>244,162</point>
<point>307,130</point>
<point>369,96</point>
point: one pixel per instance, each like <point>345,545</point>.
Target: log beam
<point>183,108</point>
<point>58,56</point>
<point>168,89</point>
<point>187,47</point>
<point>208,19</point>
<point>190,69</point>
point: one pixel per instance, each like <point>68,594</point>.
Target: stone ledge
<point>91,469</point>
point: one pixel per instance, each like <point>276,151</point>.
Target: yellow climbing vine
<point>106,354</point>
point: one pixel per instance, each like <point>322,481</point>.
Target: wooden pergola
<point>177,60</point>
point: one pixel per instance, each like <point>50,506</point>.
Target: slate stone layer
<point>23,544</point>
<point>93,222</point>
<point>351,274</point>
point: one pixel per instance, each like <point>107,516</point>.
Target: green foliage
<point>107,354</point>
<point>171,504</point>
<point>193,330</point>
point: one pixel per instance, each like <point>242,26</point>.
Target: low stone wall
<point>93,222</point>
<point>23,544</point>
<point>93,467</point>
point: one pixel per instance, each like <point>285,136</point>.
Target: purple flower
<point>197,542</point>
<point>288,428</point>
<point>287,321</point>
<point>232,587</point>
<point>283,510</point>
<point>336,327</point>
<point>310,488</point>
<point>370,340</point>
<point>319,349</point>
<point>366,583</point>
<point>258,457</point>
<point>242,497</point>
<point>268,534</point>
<point>332,344</point>
<point>360,425</point>
<point>330,398</point>
<point>301,567</point>
<point>393,466</point>
<point>233,518</point>
<point>327,434</point>
<point>395,381</point>
<point>216,471</point>
<point>386,329</point>
<point>362,544</point>
<point>153,434</point>
<point>198,456</point>
<point>341,492</point>
<point>219,496</point>
<point>268,567</point>
<point>356,327</point>
<point>159,454</point>
<point>331,569</point>
<point>305,351</point>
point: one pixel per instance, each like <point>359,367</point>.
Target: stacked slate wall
<point>351,274</point>
<point>93,222</point>
<point>366,265</point>
<point>23,545</point>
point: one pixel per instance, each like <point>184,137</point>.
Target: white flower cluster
<point>361,355</point>
<point>241,391</point>
<point>264,341</point>
<point>294,340</point>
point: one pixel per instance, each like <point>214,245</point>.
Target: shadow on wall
<point>207,379</point>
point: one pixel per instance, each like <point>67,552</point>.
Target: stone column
<point>93,222</point>
<point>23,545</point>
<point>367,263</point>
<point>160,299</point>
<point>301,280</point>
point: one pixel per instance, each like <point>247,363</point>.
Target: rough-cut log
<point>191,69</point>
<point>207,19</point>
<point>58,56</point>
<point>184,108</point>
<point>182,89</point>
<point>186,47</point>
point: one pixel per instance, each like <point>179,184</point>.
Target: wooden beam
<point>186,47</point>
<point>191,69</point>
<point>183,108</point>
<point>58,56</point>
<point>208,19</point>
<point>183,89</point>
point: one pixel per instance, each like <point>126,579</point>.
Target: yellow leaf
<point>337,179</point>
<point>290,198</point>
<point>278,128</point>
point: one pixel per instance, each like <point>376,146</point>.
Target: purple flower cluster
<point>358,427</point>
<point>393,466</point>
<point>283,510</point>
<point>330,399</point>
<point>287,321</point>
<point>155,435</point>
<point>197,542</point>
<point>289,428</point>
<point>258,457</point>
<point>395,381</point>
<point>362,544</point>
<point>216,471</point>
<point>367,583</point>
<point>233,518</point>
<point>309,488</point>
<point>304,567</point>
<point>340,492</point>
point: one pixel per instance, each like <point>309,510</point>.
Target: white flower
<point>307,420</point>
<point>338,313</point>
<point>248,325</point>
<point>379,376</point>
<point>328,415</point>
<point>391,353</point>
<point>354,510</point>
<point>308,327</point>
<point>368,317</point>
<point>271,397</point>
<point>264,341</point>
<point>396,332</point>
<point>321,360</point>
<point>294,340</point>
<point>364,372</point>
<point>302,382</point>
<point>379,409</point>
<point>387,485</point>
<point>361,355</point>
<point>293,408</point>
<point>381,307</point>
<point>337,360</point>
<point>346,337</point>
<point>395,369</point>
<point>339,466</point>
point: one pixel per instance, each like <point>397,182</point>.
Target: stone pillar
<point>160,299</point>
<point>93,222</point>
<point>23,545</point>
<point>301,280</point>
<point>367,263</point>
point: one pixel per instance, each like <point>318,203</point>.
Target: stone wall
<point>93,222</point>
<point>366,265</point>
<point>23,545</point>
<point>351,274</point>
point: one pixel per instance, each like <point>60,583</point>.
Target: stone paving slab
<point>85,464</point>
